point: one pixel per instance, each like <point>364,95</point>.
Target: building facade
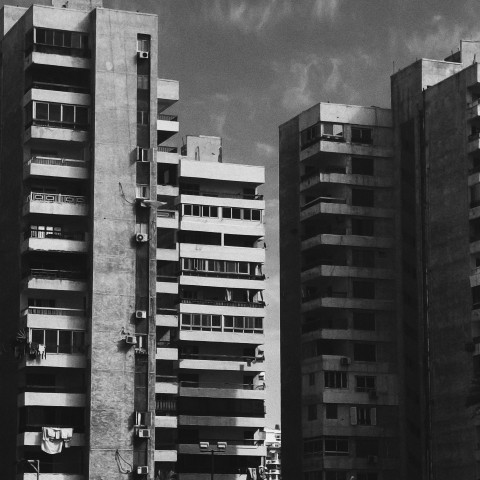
<point>273,460</point>
<point>133,308</point>
<point>378,271</point>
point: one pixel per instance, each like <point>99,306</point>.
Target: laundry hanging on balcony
<point>53,439</point>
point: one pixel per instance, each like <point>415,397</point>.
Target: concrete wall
<point>11,199</point>
<point>290,336</point>
<point>114,253</point>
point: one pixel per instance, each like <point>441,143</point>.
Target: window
<point>331,411</point>
<point>363,227</point>
<point>362,166</point>
<point>196,321</point>
<point>242,214</point>
<point>58,115</point>
<point>59,341</point>
<point>336,446</point>
<point>311,379</point>
<point>364,383</point>
<point>45,231</point>
<point>60,38</point>
<point>309,136</point>
<point>365,352</point>
<point>143,43</point>
<point>366,447</point>
<point>335,379</point>
<point>332,129</point>
<point>312,412</point>
<point>363,289</point>
<point>143,82</point>
<point>362,197</point>
<point>364,321</point>
<point>205,211</point>
<point>312,446</point>
<point>366,415</point>
<point>362,135</point>
<point>363,258</point>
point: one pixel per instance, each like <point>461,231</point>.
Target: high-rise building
<point>273,460</point>
<point>132,310</point>
<point>379,252</point>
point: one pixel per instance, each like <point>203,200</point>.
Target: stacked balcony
<point>54,244</point>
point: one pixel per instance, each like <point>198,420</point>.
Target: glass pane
<point>214,212</point>
<point>227,212</point>
<point>67,39</point>
<point>68,113</point>
<point>49,37</point>
<point>81,116</point>
<point>51,340</point>
<point>78,342</point>
<point>236,213</point>
<point>76,40</point>
<point>58,38</point>
<point>41,111</point>
<point>64,341</point>
<point>37,336</point>
<point>247,214</point>
<point>256,215</point>
<point>55,112</point>
<point>40,34</point>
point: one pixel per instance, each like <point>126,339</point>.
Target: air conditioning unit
<point>142,470</point>
<point>143,419</point>
<point>275,445</point>
<point>143,54</point>
<point>139,314</point>
<point>130,340</point>
<point>141,237</point>
<point>372,459</point>
<point>345,361</point>
<point>143,433</point>
<point>142,154</point>
<point>372,394</point>
<point>259,354</point>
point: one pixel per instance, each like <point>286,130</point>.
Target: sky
<point>247,66</point>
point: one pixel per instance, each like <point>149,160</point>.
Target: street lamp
<point>221,448</point>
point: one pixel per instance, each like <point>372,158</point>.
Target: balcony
<point>167,125</point>
<point>48,317</point>
<point>191,250</point>
<point>234,447</point>
<point>341,300</point>
<point>330,270</point>
<point>167,284</point>
<point>167,218</point>
<point>166,351</point>
<point>218,421</point>
<point>65,280</point>
<point>166,455</point>
<point>56,399</point>
<point>220,362</point>
<point>166,384</point>
<point>473,142</point>
<point>55,167</point>
<point>55,204</point>
<point>167,155</point>
<point>56,360</point>
<point>52,130</point>
<point>222,390</point>
<point>319,178</point>
<point>57,57</point>
<point>42,241</point>
<point>166,419</point>
<point>222,280</point>
<point>222,303</point>
<point>203,193</point>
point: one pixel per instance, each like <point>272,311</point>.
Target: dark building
<point>378,270</point>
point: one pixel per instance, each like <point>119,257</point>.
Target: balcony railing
<point>56,198</point>
<point>56,124</point>
<point>168,118</point>
<point>52,389</point>
<point>165,149</point>
<point>57,50</point>
<point>59,87</point>
<point>238,442</point>
<point>222,303</point>
<point>58,162</point>
<point>69,312</point>
<point>167,278</point>
<point>323,200</point>
<point>222,385</point>
<point>57,274</point>
<point>326,169</point>
<point>166,213</point>
<point>167,379</point>
<point>221,358</point>
<point>78,236</point>
<point>222,275</point>
<point>308,298</point>
<point>167,311</point>
<point>202,193</point>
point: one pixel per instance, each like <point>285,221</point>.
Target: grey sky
<point>246,66</point>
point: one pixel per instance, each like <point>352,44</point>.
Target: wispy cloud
<point>246,15</point>
<point>325,9</point>
<point>265,149</point>
<point>303,79</point>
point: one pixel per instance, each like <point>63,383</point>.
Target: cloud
<point>247,16</point>
<point>218,120</point>
<point>325,9</point>
<point>308,80</point>
<point>265,149</point>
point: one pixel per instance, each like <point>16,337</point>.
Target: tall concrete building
<point>132,309</point>
<point>379,252</point>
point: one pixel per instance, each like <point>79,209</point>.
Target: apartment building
<point>338,293</point>
<point>210,312</point>
<point>379,287</point>
<point>133,317</point>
